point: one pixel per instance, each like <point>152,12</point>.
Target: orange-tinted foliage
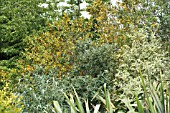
<point>54,49</point>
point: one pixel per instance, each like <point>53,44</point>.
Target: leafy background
<point>46,51</point>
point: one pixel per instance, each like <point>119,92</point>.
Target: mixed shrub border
<point>97,65</point>
<point>120,71</point>
<point>75,57</point>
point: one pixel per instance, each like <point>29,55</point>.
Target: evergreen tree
<point>18,19</point>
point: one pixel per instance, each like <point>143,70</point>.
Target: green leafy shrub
<point>93,59</point>
<point>9,103</point>
<point>7,76</point>
<point>39,91</point>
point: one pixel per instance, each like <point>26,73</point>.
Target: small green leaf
<point>140,107</point>
<point>57,106</point>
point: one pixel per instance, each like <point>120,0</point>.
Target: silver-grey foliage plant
<point>144,54</point>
